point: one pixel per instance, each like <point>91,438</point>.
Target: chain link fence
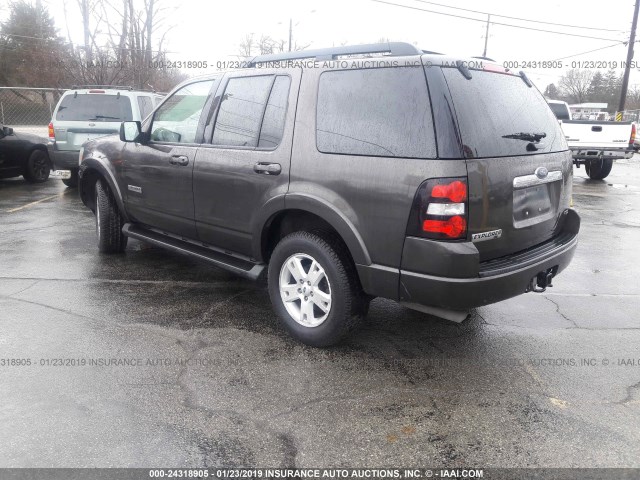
<point>28,109</point>
<point>630,115</point>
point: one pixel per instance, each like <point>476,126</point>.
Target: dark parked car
<point>23,154</point>
<point>441,183</point>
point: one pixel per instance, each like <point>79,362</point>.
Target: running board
<point>239,266</point>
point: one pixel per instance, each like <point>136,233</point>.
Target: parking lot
<point>166,362</point>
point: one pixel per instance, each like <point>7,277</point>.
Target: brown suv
<point>438,182</point>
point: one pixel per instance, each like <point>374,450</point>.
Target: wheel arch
<point>307,211</point>
<point>90,172</point>
<point>42,148</point>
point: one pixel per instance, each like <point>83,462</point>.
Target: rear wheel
<point>314,288</point>
<point>109,221</point>
<point>599,169</point>
<point>72,182</point>
<point>37,168</point>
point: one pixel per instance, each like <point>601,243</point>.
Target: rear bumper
<point>582,154</point>
<point>493,281</point>
<point>462,293</point>
<point>63,159</point>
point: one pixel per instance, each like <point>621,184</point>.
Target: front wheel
<point>72,181</point>
<point>37,168</point>
<point>598,169</point>
<point>314,288</point>
<point>109,221</point>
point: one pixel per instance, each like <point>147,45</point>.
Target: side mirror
<point>130,131</point>
<point>6,131</point>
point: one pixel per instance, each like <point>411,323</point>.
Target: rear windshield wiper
<point>528,137</point>
<point>103,117</point>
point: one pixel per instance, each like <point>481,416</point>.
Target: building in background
<point>589,111</point>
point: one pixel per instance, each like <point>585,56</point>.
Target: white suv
<point>83,114</point>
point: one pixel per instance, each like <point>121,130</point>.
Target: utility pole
<point>627,68</point>
<point>84,6</point>
<point>291,32</point>
<point>39,16</point>
<point>486,36</point>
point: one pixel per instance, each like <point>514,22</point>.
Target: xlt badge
<point>133,188</point>
<point>481,237</point>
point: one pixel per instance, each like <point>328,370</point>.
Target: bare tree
<point>265,45</point>
<point>246,46</point>
<point>633,98</point>
<point>575,84</point>
<point>268,45</point>
<point>124,44</point>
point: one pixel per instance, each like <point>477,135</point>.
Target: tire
<point>38,167</point>
<point>109,221</point>
<point>599,169</point>
<point>72,182</point>
<point>321,324</point>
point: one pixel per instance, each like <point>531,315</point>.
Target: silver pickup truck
<point>595,144</point>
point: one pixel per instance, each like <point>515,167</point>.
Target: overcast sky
<point>211,30</point>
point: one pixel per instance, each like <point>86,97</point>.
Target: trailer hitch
<point>542,280</point>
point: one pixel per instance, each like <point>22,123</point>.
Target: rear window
<point>491,107</point>
<point>375,112</point>
<point>560,111</point>
<point>94,108</point>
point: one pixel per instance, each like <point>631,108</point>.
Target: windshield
<point>560,110</point>
<point>95,108</point>
<point>499,116</point>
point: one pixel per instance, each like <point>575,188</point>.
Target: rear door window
<point>494,109</point>
<point>375,112</point>
<point>275,114</point>
<point>94,108</point>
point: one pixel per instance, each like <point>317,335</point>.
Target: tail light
<point>439,210</point>
<point>632,140</point>
<point>52,133</point>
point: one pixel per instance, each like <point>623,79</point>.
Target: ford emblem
<point>541,172</point>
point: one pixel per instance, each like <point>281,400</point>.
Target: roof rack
<point>395,49</point>
<point>109,87</point>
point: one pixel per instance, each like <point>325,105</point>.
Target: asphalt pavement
<point>149,359</point>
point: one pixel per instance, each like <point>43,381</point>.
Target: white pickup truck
<point>595,144</point>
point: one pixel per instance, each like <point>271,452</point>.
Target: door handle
<point>267,168</point>
<point>179,160</point>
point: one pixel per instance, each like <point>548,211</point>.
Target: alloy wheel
<point>305,290</point>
